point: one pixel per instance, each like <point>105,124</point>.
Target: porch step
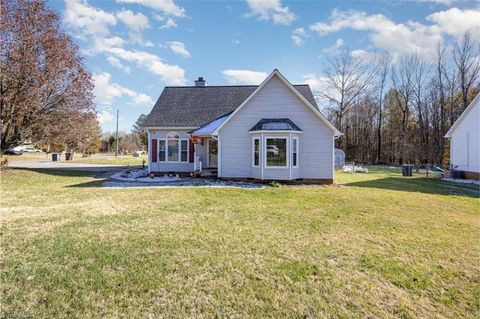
<point>209,172</point>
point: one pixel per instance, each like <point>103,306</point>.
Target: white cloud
<point>244,76</point>
<point>400,38</point>
<point>444,2</point>
<point>271,10</point>
<point>118,65</point>
<point>298,36</point>
<point>317,83</point>
<point>105,91</point>
<point>179,49</point>
<point>105,117</point>
<point>137,38</point>
<point>336,47</point>
<point>101,44</point>
<point>88,19</point>
<point>135,21</point>
<point>167,7</point>
<point>360,54</point>
<point>143,99</point>
<point>168,22</point>
<point>455,21</point>
<point>358,20</point>
<point>170,74</point>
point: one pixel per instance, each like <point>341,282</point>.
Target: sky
<point>134,48</point>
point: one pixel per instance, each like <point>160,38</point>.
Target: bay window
<point>295,152</point>
<point>256,152</point>
<point>276,152</point>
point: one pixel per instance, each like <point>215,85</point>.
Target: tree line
<point>397,110</point>
<point>46,93</point>
<point>128,142</point>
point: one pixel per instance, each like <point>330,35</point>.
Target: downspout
<point>290,155</point>
<point>219,154</point>
<point>149,141</point>
<point>262,146</point>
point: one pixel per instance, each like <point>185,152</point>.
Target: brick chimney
<point>200,82</point>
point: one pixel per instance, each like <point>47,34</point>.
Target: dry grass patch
<point>121,160</point>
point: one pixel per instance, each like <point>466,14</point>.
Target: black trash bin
<point>55,157</point>
<point>68,156</point>
<point>407,170</point>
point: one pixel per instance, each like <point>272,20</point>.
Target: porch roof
<point>275,125</point>
<point>210,127</point>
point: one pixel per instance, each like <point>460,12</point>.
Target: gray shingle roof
<point>190,106</point>
<point>275,125</point>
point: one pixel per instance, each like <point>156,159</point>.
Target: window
<point>276,152</point>
<point>172,150</point>
<point>256,152</point>
<point>295,152</point>
<point>184,150</point>
<point>161,150</point>
<point>177,149</point>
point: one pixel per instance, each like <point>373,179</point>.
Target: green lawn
<point>378,246</point>
<point>122,160</point>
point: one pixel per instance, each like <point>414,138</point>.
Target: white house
<point>271,131</point>
<point>464,138</point>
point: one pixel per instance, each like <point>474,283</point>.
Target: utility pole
<point>116,138</point>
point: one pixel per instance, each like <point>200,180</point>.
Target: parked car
<point>12,151</point>
<point>32,150</point>
<point>138,153</point>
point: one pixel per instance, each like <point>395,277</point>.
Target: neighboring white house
<point>464,138</point>
<point>271,131</point>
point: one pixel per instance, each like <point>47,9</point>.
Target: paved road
<point>47,164</point>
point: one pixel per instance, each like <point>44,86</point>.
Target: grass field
<point>122,160</point>
<point>378,246</point>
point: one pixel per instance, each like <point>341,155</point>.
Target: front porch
<point>205,162</point>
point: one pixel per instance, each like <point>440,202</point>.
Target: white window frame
<point>179,139</point>
<point>296,144</point>
<point>164,151</point>
<point>180,150</point>
<point>256,138</point>
<point>287,161</point>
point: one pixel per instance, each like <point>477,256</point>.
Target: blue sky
<point>134,48</point>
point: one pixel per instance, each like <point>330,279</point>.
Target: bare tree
<point>402,79</point>
<point>384,66</point>
<point>421,73</point>
<point>466,56</point>
<point>346,78</point>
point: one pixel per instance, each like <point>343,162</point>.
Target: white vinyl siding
<point>465,142</point>
<point>275,100</point>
